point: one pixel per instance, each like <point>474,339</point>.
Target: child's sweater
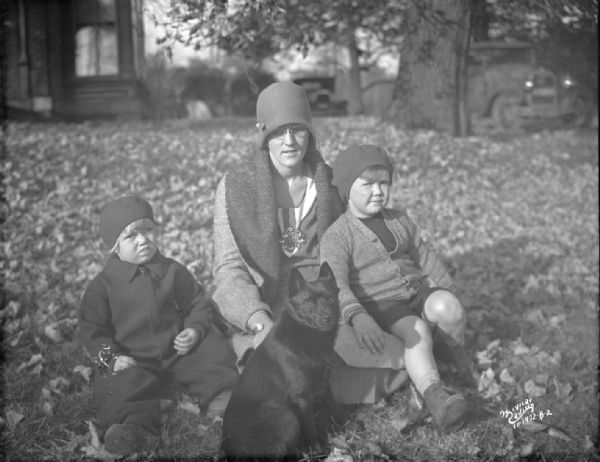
<point>364,269</point>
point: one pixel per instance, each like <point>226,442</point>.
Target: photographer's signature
<point>523,412</point>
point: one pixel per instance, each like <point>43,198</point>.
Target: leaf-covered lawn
<point>515,219</point>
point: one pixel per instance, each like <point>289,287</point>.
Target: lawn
<point>516,220</point>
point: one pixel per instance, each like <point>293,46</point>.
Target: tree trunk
<point>355,100</point>
<point>429,85</point>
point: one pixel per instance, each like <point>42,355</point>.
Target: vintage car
<point>508,90</point>
<point>320,91</point>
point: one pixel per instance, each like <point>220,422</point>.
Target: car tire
<point>505,112</point>
<point>580,115</point>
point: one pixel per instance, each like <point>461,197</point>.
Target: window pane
<point>96,51</point>
<point>86,11</point>
<point>106,11</point>
<point>95,11</point>
<point>108,59</point>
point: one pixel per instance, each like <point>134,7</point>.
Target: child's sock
<point>423,381</point>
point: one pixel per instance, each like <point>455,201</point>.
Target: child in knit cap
<point>390,281</point>
<point>144,320</point>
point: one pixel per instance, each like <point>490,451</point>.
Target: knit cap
<point>116,215</point>
<point>279,104</point>
<point>351,162</point>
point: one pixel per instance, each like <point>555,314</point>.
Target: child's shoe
<point>446,409</point>
<point>127,438</point>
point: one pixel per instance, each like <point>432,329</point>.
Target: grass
<point>515,218</point>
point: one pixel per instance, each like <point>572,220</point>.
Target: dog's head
<point>314,303</point>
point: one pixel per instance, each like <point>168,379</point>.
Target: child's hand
<point>368,333</point>
<point>186,340</point>
<point>123,362</point>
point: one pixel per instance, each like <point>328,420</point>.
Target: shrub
<point>164,85</point>
<point>245,88</point>
<point>205,83</point>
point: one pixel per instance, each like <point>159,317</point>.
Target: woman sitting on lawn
<point>270,213</point>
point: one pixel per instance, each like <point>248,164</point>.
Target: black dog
<point>271,414</point>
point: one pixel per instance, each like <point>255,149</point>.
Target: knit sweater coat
<point>138,310</point>
<point>247,264</point>
<point>248,255</point>
<point>364,269</point>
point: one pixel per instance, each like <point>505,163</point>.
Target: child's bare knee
<point>442,307</point>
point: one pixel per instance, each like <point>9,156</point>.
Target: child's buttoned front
<point>139,309</point>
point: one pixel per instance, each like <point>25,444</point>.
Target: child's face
<point>137,242</point>
<point>369,193</point>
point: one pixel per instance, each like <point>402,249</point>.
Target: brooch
<point>102,361</point>
<point>292,240</point>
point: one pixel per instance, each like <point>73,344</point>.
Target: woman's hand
<point>368,333</point>
<point>123,362</point>
<point>186,340</point>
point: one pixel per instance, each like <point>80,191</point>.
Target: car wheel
<point>505,113</point>
<point>579,112</point>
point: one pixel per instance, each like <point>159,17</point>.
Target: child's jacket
<point>363,268</point>
<point>138,310</point>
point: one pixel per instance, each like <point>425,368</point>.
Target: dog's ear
<point>296,282</point>
<point>325,272</point>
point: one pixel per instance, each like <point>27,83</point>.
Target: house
<point>73,59</point>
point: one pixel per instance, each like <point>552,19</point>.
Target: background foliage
<point>564,31</point>
<point>516,220</point>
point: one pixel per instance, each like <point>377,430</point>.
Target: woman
<point>270,213</point>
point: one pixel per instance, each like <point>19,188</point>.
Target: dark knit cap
<point>351,162</point>
<point>279,104</point>
<point>116,215</point>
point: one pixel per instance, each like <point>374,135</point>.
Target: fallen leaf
<point>556,321</point>
<point>52,331</point>
<point>48,408</point>
<point>37,369</point>
<point>534,427</point>
<point>35,359</point>
<point>13,418</point>
<point>505,377</point>
<point>94,438</point>
<point>399,424</point>
<point>46,393</point>
<point>532,390</point>
<point>555,432</point>
<point>338,455</point>
<point>15,340</point>
<point>84,371</point>
<point>526,450</point>
<point>588,444</point>
<point>373,448</point>
<point>189,406</point>
<point>59,383</point>
<point>203,428</point>
<point>473,449</point>
<point>75,441</point>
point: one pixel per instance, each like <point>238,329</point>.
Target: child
<point>389,280</point>
<point>143,319</point>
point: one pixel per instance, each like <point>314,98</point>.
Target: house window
<point>96,48</point>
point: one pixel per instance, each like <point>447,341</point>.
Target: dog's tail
<point>271,431</point>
